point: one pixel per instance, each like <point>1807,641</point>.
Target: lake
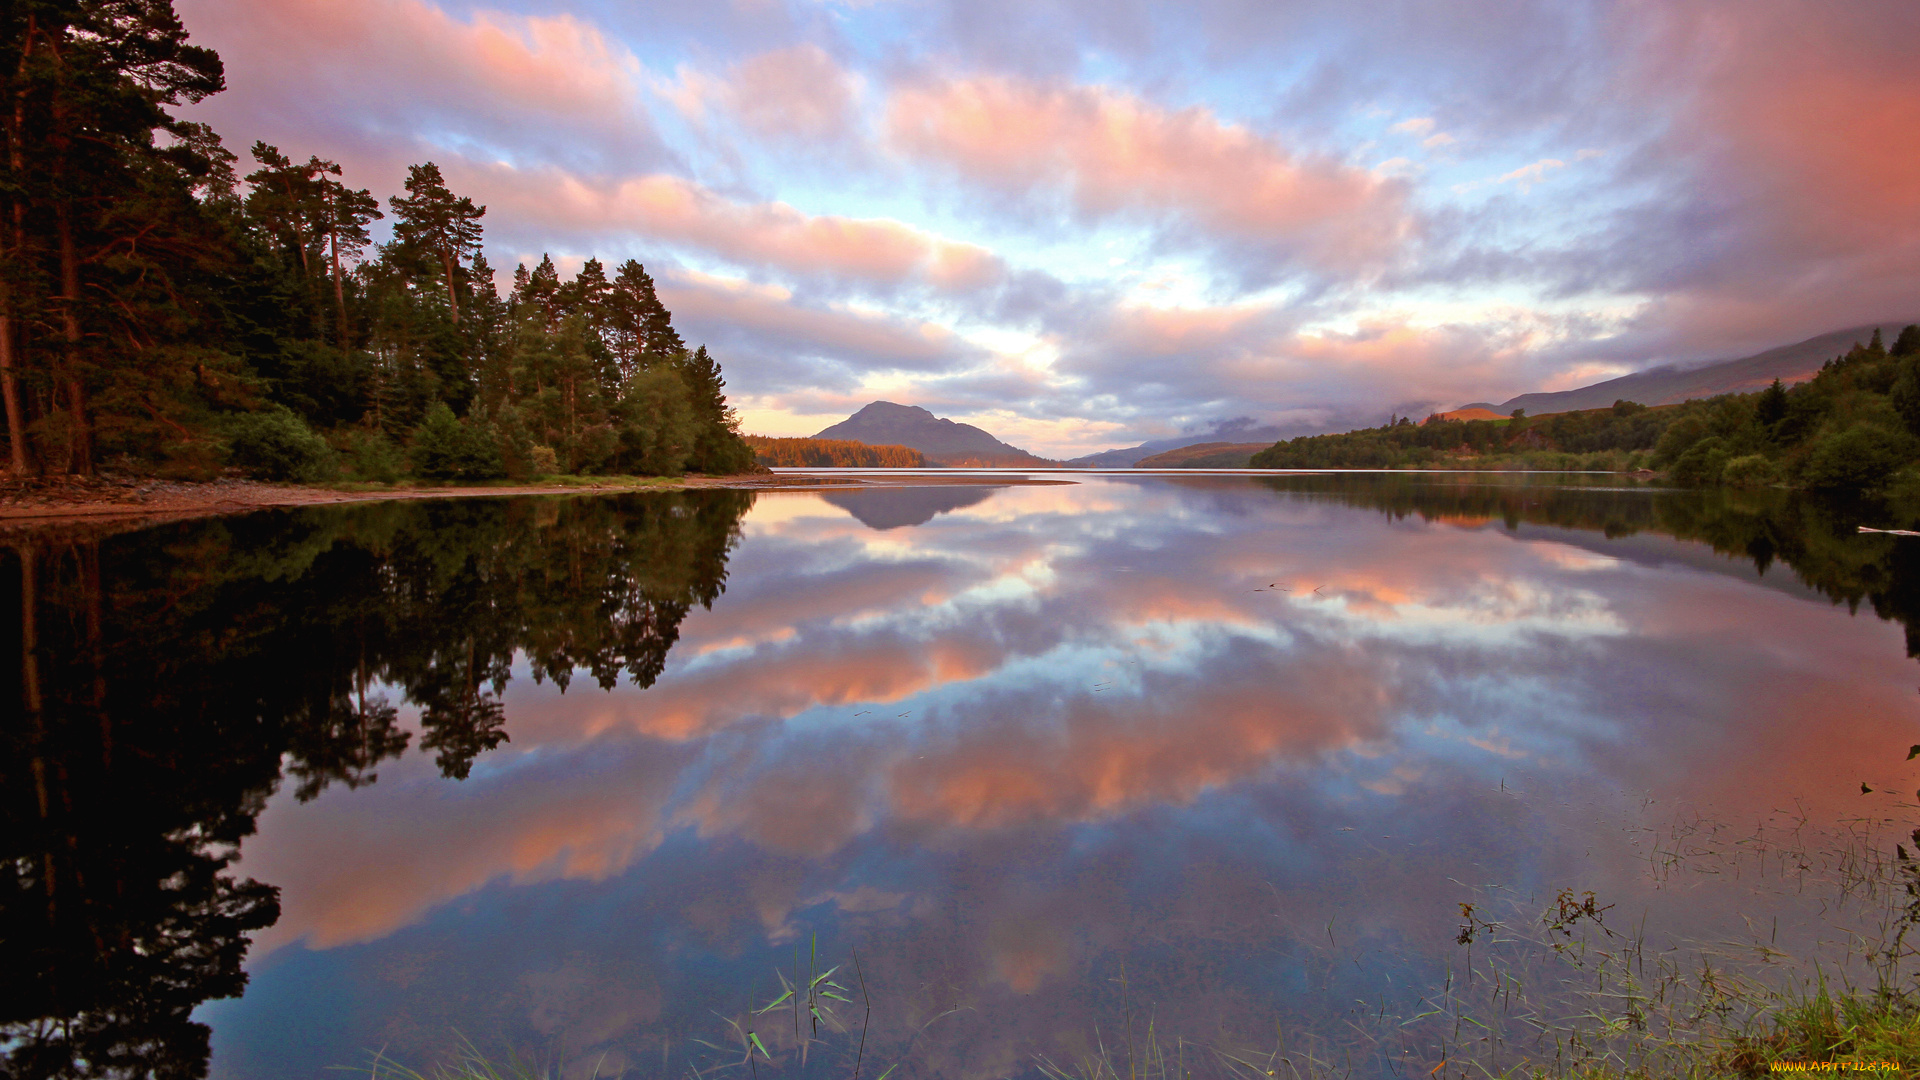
<point>1190,770</point>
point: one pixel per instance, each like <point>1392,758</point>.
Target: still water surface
<point>578,776</point>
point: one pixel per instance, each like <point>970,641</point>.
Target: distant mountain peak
<point>942,440</point>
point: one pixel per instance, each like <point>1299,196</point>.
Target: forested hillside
<point>1855,426</point>
<point>832,454</point>
<point>166,307</point>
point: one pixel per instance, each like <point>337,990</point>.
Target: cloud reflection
<point>1153,712</point>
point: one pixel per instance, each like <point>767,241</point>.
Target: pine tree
<point>88,83</point>
<point>344,225</point>
<point>436,223</point>
<point>1908,343</point>
<point>539,290</point>
<point>717,447</point>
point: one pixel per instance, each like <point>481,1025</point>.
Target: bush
<point>1702,464</point>
<point>445,448</point>
<point>1861,458</point>
<point>275,444</point>
<point>1749,471</point>
<point>372,456</point>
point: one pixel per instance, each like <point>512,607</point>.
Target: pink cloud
<point>797,92</point>
<point>364,64</point>
<point>1803,210</point>
<point>874,251</point>
<point>1116,153</point>
<point>868,341</point>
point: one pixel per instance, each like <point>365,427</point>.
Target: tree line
<point>162,311</point>
<point>1853,427</point>
<point>832,454</point>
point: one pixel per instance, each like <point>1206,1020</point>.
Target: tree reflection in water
<point>1818,539</point>
<point>170,678</point>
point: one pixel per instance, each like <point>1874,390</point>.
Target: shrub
<point>1749,471</point>
<point>372,456</point>
<point>445,448</point>
<point>1860,458</point>
<point>275,444</point>
<point>1702,464</point>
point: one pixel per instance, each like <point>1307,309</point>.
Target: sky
<point>1086,224</point>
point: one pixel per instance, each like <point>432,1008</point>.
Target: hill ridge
<point>1669,384</point>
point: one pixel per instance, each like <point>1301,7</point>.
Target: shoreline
<point>115,498</point>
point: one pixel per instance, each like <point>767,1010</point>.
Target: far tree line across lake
<point>1855,426</point>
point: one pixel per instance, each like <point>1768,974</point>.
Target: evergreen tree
<point>88,84</point>
<point>1908,343</point>
<point>717,447</point>
<point>436,223</point>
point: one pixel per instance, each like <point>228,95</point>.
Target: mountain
<point>942,441</point>
<point>1206,455</point>
<point>1669,385</point>
<point>1242,430</point>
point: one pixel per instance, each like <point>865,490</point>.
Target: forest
<point>166,308</point>
<point>832,454</point>
<point>1853,427</point>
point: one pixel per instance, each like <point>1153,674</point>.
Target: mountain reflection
<point>1247,737</point>
<point>169,678</point>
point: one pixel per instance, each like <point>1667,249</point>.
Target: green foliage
<point>1701,463</point>
<point>656,424</point>
<point>371,456</point>
<point>1749,471</point>
<point>274,444</point>
<point>1861,458</point>
<point>1855,426</point>
<point>194,294</point>
<point>445,448</point>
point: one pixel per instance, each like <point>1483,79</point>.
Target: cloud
<point>793,94</point>
<point>1528,175</point>
<point>1789,210</point>
<point>671,210</point>
<point>386,78</point>
<point>1110,153</point>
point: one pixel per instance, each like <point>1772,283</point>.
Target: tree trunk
<point>10,391</point>
<point>16,251</point>
<point>448,262</point>
<point>339,289</point>
<point>79,442</point>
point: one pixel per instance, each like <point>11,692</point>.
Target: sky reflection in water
<point>1256,744</point>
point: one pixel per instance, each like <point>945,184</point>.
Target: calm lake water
<point>586,778</point>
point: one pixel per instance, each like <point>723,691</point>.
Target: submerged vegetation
<point>1855,426</point>
<point>161,313</point>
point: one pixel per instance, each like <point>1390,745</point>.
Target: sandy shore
<point>67,499</point>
